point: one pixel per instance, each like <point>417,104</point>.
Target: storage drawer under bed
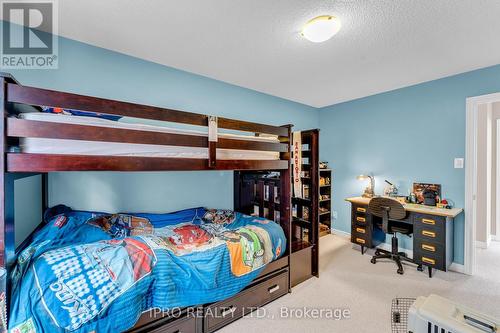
<point>224,312</point>
<point>192,323</point>
<point>163,322</point>
<point>183,325</point>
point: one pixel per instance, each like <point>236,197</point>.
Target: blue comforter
<point>86,271</point>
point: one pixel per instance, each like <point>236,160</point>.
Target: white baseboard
<point>341,233</point>
<point>495,238</point>
<point>458,268</point>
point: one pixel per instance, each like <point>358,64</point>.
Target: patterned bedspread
<point>87,271</point>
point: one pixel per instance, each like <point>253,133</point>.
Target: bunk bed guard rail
<point>23,128</point>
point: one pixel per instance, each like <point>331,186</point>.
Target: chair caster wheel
<point>400,271</point>
<point>373,261</point>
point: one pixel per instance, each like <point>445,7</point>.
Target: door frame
<point>471,130</point>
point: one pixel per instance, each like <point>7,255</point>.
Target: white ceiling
<point>383,44</point>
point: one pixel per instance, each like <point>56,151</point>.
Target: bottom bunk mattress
<point>88,271</point>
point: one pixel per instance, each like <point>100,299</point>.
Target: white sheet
<point>78,147</point>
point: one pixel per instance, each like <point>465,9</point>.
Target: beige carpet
<point>349,281</point>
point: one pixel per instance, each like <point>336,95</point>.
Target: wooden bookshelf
<point>325,202</point>
<point>305,213</point>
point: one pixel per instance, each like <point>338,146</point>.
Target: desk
<point>432,232</point>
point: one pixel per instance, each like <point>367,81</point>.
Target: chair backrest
<point>387,208</point>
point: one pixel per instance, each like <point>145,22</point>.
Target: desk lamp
<point>370,189</point>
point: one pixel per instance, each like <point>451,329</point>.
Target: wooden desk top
<point>415,208</point>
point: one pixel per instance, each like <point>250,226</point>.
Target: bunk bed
<point>28,134</point>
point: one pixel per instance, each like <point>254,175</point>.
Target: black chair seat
<point>401,230</point>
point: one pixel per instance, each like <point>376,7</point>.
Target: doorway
<point>482,178</point>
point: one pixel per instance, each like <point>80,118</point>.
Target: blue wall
<point>90,70</point>
<point>405,135</point>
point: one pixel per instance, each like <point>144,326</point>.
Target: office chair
<point>390,209</point>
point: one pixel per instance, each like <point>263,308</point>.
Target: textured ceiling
<point>383,44</point>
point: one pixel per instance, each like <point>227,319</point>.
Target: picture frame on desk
<point>419,188</point>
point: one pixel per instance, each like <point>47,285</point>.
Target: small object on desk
<point>448,203</point>
<point>390,190</point>
<point>370,189</point>
<point>429,197</point>
<point>401,199</point>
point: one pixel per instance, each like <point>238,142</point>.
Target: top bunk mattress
<point>82,147</point>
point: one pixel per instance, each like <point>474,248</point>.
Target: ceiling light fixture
<point>321,28</point>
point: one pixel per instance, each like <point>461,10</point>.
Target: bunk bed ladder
<point>212,142</point>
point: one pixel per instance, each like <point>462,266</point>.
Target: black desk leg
<point>362,250</point>
<point>420,268</point>
<point>430,271</point>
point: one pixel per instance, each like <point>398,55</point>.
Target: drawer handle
<point>428,221</point>
<point>361,230</point>
<point>429,233</point>
<point>273,289</point>
<point>360,240</point>
<point>429,247</point>
<point>228,310</point>
<point>429,260</point>
<point>361,209</point>
<point>360,219</point>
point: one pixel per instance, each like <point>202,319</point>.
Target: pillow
<point>219,216</point>
<point>79,113</point>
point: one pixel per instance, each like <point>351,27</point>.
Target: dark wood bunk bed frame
<point>272,283</point>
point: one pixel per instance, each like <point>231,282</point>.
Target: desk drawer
<point>430,222</point>
<point>361,231</point>
<point>360,220</point>
<point>224,312</point>
<point>361,239</point>
<point>360,211</point>
<point>432,259</point>
<point>429,248</point>
<point>429,235</point>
